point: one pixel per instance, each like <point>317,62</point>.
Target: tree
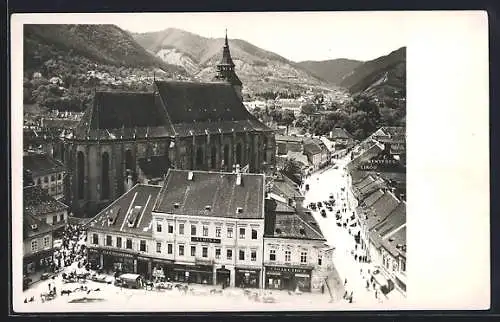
<point>308,109</point>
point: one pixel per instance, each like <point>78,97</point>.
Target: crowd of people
<point>70,251</point>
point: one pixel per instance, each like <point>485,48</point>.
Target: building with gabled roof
<point>295,251</point>
<point>126,138</point>
<point>46,172</point>
<point>37,243</point>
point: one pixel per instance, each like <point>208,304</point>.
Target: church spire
<point>226,43</point>
<point>225,69</point>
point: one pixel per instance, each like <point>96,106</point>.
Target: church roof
<point>115,115</point>
<point>191,101</point>
<point>178,108</point>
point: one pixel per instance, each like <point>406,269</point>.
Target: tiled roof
<point>124,115</point>
<point>299,225</point>
<point>217,190</point>
<point>59,123</point>
<point>392,221</point>
<point>134,208</point>
<point>40,164</point>
<point>155,166</point>
<point>298,156</point>
<point>380,209</point>
<point>340,133</point>
<point>311,147</point>
<point>366,155</point>
<point>285,187</point>
<point>284,207</point>
<point>189,102</point>
<point>395,242</point>
<point>36,201</point>
<point>31,231</point>
<point>372,198</point>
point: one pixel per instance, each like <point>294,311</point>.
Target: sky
<point>296,36</point>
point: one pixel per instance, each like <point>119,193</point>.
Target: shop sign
<point>205,240</point>
<point>381,165</point>
<point>246,271</point>
<point>108,252</point>
<point>287,269</point>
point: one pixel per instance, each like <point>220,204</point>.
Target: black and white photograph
<point>221,162</point>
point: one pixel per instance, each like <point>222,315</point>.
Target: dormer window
<point>190,176</point>
<point>176,205</point>
<point>34,226</point>
<point>239,210</point>
<point>302,231</point>
<point>208,207</point>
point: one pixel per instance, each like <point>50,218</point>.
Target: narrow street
<point>328,182</point>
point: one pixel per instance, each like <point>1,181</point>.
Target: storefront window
<point>158,227</point>
<point>193,230</point>
<point>170,229</point>
<point>217,253</point>
<point>181,250</point>
<point>254,234</point>
<point>59,176</point>
<point>272,255</point>
<point>230,232</point>
<point>242,233</point>
<point>204,252</point>
<point>158,247</point>
<point>170,248</point>
<point>142,246</point>
<point>46,179</point>
<point>288,255</point>
<point>118,242</point>
<point>253,256</point>
<point>181,229</point>
<point>242,255</point>
<point>95,239</point>
<point>109,241</point>
<point>229,254</point>
<point>34,245</point>
<point>193,251</point>
<point>217,231</point>
<point>129,243</point>
<point>303,257</point>
<point>54,219</point>
<point>205,231</point>
<point>320,260</point>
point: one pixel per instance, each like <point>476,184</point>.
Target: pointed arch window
<point>226,155</point>
<point>105,176</point>
<point>199,157</point>
<point>238,153</point>
<point>213,157</point>
<point>80,174</point>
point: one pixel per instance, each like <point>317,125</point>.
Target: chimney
<point>190,175</point>
<point>238,179</point>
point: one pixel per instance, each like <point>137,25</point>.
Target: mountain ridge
<point>330,70</point>
<point>199,56</point>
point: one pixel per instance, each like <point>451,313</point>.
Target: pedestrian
<point>49,287</point>
<point>356,257</point>
<point>322,288</point>
<point>367,285</point>
<point>345,282</point>
<point>376,294</point>
<point>345,295</point>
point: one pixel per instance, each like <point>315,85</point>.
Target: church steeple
<point>225,69</point>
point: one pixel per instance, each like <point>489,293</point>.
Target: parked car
<point>130,281</point>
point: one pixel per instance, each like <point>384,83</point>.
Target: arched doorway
<point>238,154</point>
<point>199,157</point>
<point>80,174</point>
<point>105,176</point>
<point>213,157</point>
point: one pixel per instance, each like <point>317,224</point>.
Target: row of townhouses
<point>377,180</point>
<point>210,228</point>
